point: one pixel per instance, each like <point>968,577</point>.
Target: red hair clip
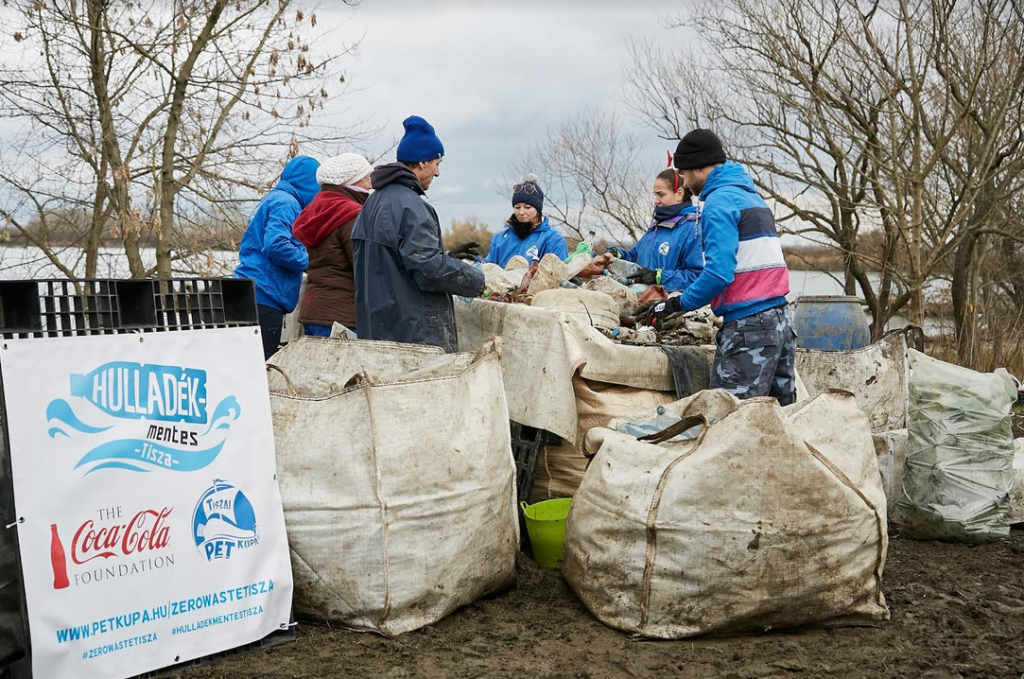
<point>675,174</point>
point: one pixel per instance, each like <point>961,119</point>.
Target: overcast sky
<point>492,77</point>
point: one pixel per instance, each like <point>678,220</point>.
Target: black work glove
<point>467,251</point>
<point>615,252</point>
<point>644,277</point>
<point>662,310</point>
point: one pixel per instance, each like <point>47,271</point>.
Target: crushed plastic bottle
<point>664,420</point>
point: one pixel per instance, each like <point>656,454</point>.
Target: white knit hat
<point>348,168</point>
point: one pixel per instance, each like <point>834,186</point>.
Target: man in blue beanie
<point>270,256</point>
<point>404,278</point>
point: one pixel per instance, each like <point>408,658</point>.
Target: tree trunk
<point>963,314</point>
<point>168,184</point>
<point>129,224</point>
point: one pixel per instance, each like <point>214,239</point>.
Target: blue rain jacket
<point>539,242</point>
<point>269,255</point>
<point>672,246</point>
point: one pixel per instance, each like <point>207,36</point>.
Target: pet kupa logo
<point>224,522</point>
<point>663,248</point>
<point>146,416</point>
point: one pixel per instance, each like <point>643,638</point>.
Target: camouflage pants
<point>757,356</point>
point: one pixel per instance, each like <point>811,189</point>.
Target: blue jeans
<point>318,330</point>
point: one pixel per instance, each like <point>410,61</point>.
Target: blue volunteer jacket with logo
<point>672,246</point>
<point>542,240</point>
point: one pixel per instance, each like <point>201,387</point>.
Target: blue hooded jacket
<point>744,269</point>
<point>540,241</point>
<point>674,247</point>
<point>269,255</point>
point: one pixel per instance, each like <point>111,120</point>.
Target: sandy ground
<point>957,611</point>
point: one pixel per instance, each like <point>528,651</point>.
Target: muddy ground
<point>957,611</point>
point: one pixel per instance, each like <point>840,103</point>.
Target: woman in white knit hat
<point>325,228</point>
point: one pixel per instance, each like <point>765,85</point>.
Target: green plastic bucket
<point>545,523</point>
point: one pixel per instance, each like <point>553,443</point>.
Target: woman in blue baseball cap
<point>527,232</point>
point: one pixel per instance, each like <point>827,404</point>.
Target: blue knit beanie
<point>420,143</point>
<point>533,196</point>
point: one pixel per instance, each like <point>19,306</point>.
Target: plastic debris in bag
<point>959,469</point>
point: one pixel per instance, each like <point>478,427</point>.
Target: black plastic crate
<point>64,307</point>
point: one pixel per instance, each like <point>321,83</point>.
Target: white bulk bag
<point>396,470</point>
<point>875,374</point>
<point>771,518</point>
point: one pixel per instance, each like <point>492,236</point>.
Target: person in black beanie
<point>745,278</point>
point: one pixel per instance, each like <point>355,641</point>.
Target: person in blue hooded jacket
<point>670,252</point>
<point>404,279</point>
<point>527,232</point>
<point>745,277</point>
<point>270,256</point>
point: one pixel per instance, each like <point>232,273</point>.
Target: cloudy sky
<point>492,77</point>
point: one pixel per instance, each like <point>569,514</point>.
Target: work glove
<point>614,252</point>
<point>661,311</point>
<point>645,277</point>
<point>467,251</point>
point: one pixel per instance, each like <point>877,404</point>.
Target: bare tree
<point>150,114</point>
<point>858,117</point>
<point>594,178</point>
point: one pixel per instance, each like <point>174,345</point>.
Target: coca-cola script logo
<point>146,531</point>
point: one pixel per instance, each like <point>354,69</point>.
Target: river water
<point>29,262</point>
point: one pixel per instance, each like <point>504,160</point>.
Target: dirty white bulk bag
<point>875,374</point>
<point>771,518</point>
<point>959,469</point>
<point>1017,494</point>
<point>396,470</point>
<point>592,308</point>
<point>891,448</point>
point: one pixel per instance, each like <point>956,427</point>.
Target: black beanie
<point>698,149</point>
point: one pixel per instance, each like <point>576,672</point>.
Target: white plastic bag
<point>959,469</point>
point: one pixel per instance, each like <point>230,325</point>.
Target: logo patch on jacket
<point>533,252</point>
<point>663,248</point>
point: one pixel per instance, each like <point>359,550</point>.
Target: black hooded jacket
<point>404,279</point>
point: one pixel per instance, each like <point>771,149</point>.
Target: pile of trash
<point>596,286</point>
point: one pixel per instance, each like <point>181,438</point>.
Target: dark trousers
<point>271,322</point>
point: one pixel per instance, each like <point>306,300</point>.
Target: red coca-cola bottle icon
<point>57,560</point>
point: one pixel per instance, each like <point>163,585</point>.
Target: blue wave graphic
<point>60,410</point>
<point>229,409</point>
<point>149,453</point>
<point>117,465</point>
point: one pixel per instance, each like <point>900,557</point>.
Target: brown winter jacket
<point>325,228</point>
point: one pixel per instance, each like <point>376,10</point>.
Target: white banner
<point>144,469</point>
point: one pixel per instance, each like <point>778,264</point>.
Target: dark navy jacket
<point>404,279</point>
<point>672,246</point>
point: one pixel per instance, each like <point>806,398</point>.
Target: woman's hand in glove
<point>645,277</point>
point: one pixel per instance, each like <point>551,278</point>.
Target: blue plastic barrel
<point>832,323</point>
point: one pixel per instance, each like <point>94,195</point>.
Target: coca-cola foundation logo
<point>114,544</point>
